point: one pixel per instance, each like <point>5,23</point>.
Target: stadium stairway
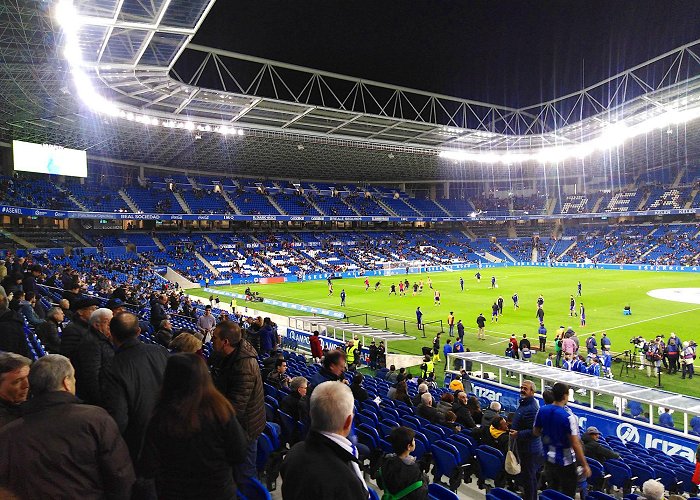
<point>468,233</point>
<point>276,205</point>
<point>17,239</point>
<point>573,244</point>
<point>82,240</point>
<point>72,198</point>
<point>129,202</point>
<point>182,202</point>
<point>693,195</point>
<point>505,252</point>
<point>158,243</point>
<point>228,199</point>
<point>210,241</point>
<point>679,177</point>
<point>314,204</point>
<point>385,207</point>
<point>204,261</point>
<point>447,212</point>
<point>406,201</point>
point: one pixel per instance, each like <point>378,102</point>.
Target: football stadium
<point>310,250</point>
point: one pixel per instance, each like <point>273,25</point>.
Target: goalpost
<point>399,267</point>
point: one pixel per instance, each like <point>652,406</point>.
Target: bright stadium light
<point>612,136</point>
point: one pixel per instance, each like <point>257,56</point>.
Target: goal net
<point>402,267</point>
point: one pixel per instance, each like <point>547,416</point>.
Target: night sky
<point>501,52</point>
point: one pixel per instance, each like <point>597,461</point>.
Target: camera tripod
<point>628,362</point>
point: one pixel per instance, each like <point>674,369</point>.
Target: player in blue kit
<point>461,283</point>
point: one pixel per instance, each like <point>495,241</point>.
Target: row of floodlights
<point>185,125</point>
<point>69,20</point>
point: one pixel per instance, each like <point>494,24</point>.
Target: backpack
<point>399,494</point>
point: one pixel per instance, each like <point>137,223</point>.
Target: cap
<point>114,303</point>
<point>456,385</point>
<point>85,303</point>
<point>592,430</point>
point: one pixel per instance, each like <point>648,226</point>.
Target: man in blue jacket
<point>529,446</point>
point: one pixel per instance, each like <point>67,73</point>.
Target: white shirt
<point>345,444</point>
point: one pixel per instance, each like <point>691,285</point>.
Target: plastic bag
<point>512,465</point>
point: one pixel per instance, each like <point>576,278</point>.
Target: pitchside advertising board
<point>626,430</point>
<point>304,341</point>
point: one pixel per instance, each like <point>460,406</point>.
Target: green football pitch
<point>604,294</point>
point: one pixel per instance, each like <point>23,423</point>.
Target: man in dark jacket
<point>529,446</point>
<point>83,455</point>
<point>238,378</point>
<point>48,331</point>
<point>333,369</point>
<point>158,312</point>
<point>326,464</point>
<point>131,385</point>
<point>268,337</point>
<point>29,281</point>
<point>12,337</point>
<point>14,385</point>
<point>426,410</point>
<point>464,416</point>
<point>93,357</point>
<point>593,449</point>
<point>295,404</point>
<point>76,331</point>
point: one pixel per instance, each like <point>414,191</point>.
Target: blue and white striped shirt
<point>557,426</point>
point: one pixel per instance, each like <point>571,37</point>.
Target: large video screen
<point>49,159</point>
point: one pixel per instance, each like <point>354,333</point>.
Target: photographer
<point>653,357</point>
<point>688,356</point>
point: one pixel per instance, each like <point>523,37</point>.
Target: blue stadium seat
<point>554,495</point>
<point>491,465</point>
<point>501,494</point>
<point>439,492</point>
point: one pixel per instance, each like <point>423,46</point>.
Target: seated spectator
<point>592,447</point>
<point>464,416</point>
<point>652,490</point>
<point>326,452</point>
<point>48,331</point>
<point>332,369</point>
<point>194,437</point>
<point>495,435</point>
<point>666,419</point>
<point>401,393</point>
<point>474,408</point>
<point>278,377</point>
<point>445,405</point>
<point>422,389</point>
<point>493,411</point>
<point>358,392</point>
<point>26,308</point>
<point>185,342</point>
<point>400,473</point>
<point>93,463</point>
<point>295,404</point>
<point>391,375</point>
<point>165,333</point>
<point>451,421</point>
<point>426,410</point>
<point>14,385</point>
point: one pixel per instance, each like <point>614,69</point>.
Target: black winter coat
<point>318,468</point>
<point>91,361</point>
<point>130,389</point>
<point>48,334</point>
<point>12,337</point>
<point>73,335</point>
<point>82,454</point>
<point>238,378</point>
<point>397,475</point>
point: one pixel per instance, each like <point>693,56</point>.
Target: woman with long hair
<point>194,437</point>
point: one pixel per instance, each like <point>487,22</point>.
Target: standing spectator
<point>451,323</point>
<point>132,383</point>
<point>194,437</point>
<point>400,473</point>
<point>93,357</point>
<point>158,312</point>
<point>326,464</point>
<point>29,281</point>
<point>268,337</point>
<point>605,343</point>
<point>460,331</point>
<point>381,354</point>
<point>12,338</point>
<point>529,446</point>
<point>373,355</point>
<point>316,348</point>
<point>14,385</point>
<point>559,428</point>
<point>48,331</point>
<point>419,319</point>
<point>82,454</point>
<point>206,323</point>
<point>75,332</point>
<point>514,343</point>
<point>238,378</point>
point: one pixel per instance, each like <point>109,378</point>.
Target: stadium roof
<point>116,69</point>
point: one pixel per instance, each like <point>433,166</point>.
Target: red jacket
<point>514,343</point>
<point>316,349</point>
